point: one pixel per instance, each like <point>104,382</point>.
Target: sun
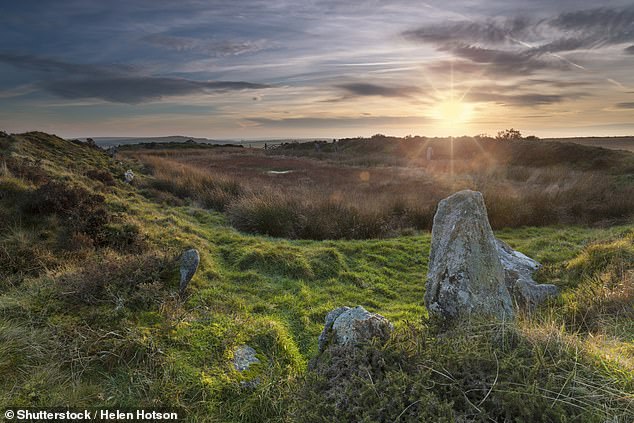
<point>452,112</point>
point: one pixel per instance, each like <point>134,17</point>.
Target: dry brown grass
<point>307,197</point>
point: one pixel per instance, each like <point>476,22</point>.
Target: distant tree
<point>532,138</point>
<point>509,134</point>
<point>378,136</point>
<point>483,136</point>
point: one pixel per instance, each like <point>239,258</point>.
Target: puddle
<point>279,172</point>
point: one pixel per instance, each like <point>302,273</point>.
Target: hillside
<point>614,143</point>
<point>91,316</point>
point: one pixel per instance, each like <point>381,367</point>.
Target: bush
<point>22,253</point>
<point>102,176</point>
<point>27,169</point>
<point>121,280</point>
<point>268,214</point>
<point>79,209</point>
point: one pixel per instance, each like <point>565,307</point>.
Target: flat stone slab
<point>244,357</point>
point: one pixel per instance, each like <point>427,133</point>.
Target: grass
<point>379,188</point>
<point>102,325</point>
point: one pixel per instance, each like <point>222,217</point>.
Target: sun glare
<point>452,112</point>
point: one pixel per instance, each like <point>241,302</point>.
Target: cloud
<point>520,100</point>
<point>365,89</point>
<point>206,46</point>
<point>630,49</point>
<point>502,61</point>
<point>520,44</point>
<point>556,83</point>
<point>627,105</point>
<point>337,122</point>
<point>115,83</point>
<point>139,89</point>
<point>599,26</point>
<point>487,31</point>
<point>48,65</point>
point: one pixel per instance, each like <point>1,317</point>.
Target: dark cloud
<point>338,122</point>
<point>522,100</point>
<point>115,83</point>
<point>556,83</point>
<point>627,105</point>
<point>48,65</point>
<point>502,61</point>
<point>488,31</point>
<point>630,49</point>
<point>365,89</point>
<point>139,89</point>
<point>517,44</point>
<point>599,26</point>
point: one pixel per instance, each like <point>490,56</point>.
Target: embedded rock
<point>244,357</point>
<point>330,319</point>
<point>349,327</point>
<point>128,176</point>
<point>189,264</point>
<point>518,274</point>
<point>465,275</point>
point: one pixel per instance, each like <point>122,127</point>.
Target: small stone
<point>244,357</point>
<point>350,327</point>
<point>189,264</point>
<point>128,176</point>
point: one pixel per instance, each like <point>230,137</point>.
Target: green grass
<point>103,326</point>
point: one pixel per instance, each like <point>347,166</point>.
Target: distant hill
<point>613,143</point>
<point>110,141</point>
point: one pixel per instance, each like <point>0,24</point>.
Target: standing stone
<point>349,327</point>
<point>465,274</point>
<point>189,264</point>
<point>518,275</point>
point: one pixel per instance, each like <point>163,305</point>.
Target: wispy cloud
<point>519,44</point>
<point>626,105</point>
<point>115,83</point>
<point>337,122</point>
<point>520,100</point>
<point>207,46</point>
<point>363,89</point>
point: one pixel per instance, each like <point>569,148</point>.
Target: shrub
<point>121,280</point>
<point>80,210</point>
<point>22,253</point>
<point>267,214</point>
<point>102,176</point>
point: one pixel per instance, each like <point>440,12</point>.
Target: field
<point>376,188</point>
<point>90,315</point>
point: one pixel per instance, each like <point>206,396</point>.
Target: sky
<point>297,69</point>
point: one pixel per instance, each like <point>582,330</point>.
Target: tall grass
<point>331,200</point>
<point>206,188</point>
